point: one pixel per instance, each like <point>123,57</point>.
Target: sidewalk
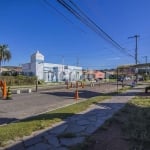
<point>75,129</point>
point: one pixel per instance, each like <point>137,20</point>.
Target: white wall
<point>51,72</point>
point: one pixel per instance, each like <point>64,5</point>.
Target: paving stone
<point>39,146</point>
<point>90,129</point>
<point>32,141</point>
<point>92,118</point>
<point>82,122</point>
<point>98,123</point>
<point>45,134</point>
<point>71,141</point>
<point>53,140</point>
<point>73,118</point>
<point>100,115</point>
<point>74,128</point>
<point>18,146</point>
<point>60,148</point>
<point>59,129</point>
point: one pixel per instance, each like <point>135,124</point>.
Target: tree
<point>5,55</point>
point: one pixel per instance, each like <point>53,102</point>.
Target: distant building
<point>93,75</point>
<point>11,70</point>
<point>99,75</point>
<point>135,69</point>
<point>50,72</point>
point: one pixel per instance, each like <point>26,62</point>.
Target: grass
<point>134,119</point>
<point>125,88</point>
<point>137,128</point>
<point>135,122</point>
<point>25,127</point>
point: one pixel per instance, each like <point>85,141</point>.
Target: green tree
<point>5,55</point>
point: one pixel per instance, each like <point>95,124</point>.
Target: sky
<point>45,25</point>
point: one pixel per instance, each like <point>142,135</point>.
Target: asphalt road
<point>29,104</point>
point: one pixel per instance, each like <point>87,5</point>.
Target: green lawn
<point>26,127</point>
<point>134,120</point>
<point>137,124</point>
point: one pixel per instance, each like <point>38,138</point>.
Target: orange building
<point>93,75</point>
<point>99,75</point>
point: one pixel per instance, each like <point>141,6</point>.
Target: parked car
<point>127,78</point>
<point>120,79</point>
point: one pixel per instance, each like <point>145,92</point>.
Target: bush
<point>19,80</point>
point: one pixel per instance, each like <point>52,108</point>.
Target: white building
<point>51,72</point>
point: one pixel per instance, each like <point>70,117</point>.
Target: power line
<point>146,57</point>
<point>61,14</point>
<point>82,19</point>
<point>91,24</point>
<point>49,4</point>
<point>94,23</point>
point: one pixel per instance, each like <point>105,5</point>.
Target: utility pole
<point>136,47</point>
<point>136,52</point>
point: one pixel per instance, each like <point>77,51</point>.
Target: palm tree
<point>5,55</point>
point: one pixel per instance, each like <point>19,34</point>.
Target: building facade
<point>93,75</point>
<point>50,72</point>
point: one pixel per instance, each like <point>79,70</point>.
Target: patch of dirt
<point>108,139</point>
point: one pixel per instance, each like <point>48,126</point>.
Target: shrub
<point>19,80</point>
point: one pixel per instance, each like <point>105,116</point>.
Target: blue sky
<point>31,25</point>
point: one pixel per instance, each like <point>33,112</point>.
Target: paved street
<point>80,125</point>
<point>25,105</point>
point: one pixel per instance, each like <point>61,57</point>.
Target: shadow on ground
<point>45,140</point>
<point>125,130</point>
<point>73,130</point>
<point>88,94</point>
<point>82,94</point>
<point>7,120</point>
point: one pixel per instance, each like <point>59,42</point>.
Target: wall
<point>50,72</point>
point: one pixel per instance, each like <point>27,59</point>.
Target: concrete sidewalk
<point>78,126</point>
